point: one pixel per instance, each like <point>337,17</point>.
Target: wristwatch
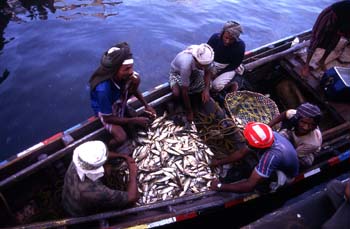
<point>219,185</point>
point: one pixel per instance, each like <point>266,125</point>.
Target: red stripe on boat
<point>333,161</point>
<point>298,178</point>
<point>92,118</point>
<point>53,138</point>
<point>247,53</point>
<point>186,216</point>
<point>233,203</point>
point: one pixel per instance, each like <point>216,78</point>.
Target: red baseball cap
<point>258,135</point>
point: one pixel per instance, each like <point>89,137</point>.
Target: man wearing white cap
<point>112,84</point>
<point>190,74</point>
<point>83,191</point>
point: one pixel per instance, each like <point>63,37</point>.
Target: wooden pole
<point>264,60</point>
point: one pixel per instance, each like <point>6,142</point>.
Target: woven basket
<point>247,106</point>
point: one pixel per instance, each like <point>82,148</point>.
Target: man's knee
<point>119,134</point>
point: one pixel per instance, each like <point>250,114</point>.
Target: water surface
<point>49,49</point>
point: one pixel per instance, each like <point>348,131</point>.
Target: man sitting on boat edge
<point>190,75</point>
<point>278,155</point>
<point>111,85</point>
<point>228,55</point>
<point>83,191</point>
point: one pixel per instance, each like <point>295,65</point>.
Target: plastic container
<point>336,84</point>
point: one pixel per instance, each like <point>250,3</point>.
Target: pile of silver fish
<point>172,161</point>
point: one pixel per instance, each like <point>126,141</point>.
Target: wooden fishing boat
<point>310,210</point>
<point>31,181</point>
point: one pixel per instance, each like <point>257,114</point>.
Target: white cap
<point>89,158</point>
<point>203,53</point>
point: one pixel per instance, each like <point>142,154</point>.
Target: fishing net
<point>247,106</point>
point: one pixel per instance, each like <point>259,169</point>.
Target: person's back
<point>281,156</point>
<point>83,191</point>
<point>80,198</point>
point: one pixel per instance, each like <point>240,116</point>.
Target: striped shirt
<point>280,156</point>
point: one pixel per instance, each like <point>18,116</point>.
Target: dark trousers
<point>341,218</point>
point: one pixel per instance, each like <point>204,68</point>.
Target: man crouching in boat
<point>278,155</point>
<point>300,127</point>
<point>190,76</point>
<point>83,191</point>
<point>111,85</point>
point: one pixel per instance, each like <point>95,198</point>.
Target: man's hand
<point>151,110</point>
<point>214,185</point>
<point>141,121</point>
<point>214,163</point>
<point>205,95</point>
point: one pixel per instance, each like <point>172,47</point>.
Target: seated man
<point>111,86</point>
<point>190,75</point>
<point>339,195</point>
<point>300,127</point>
<point>278,155</point>
<point>229,53</point>
<point>83,191</point>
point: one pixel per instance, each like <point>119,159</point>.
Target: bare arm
<point>207,78</point>
<point>133,194</point>
<point>140,97</point>
<point>235,156</point>
<point>111,119</point>
<point>347,191</point>
<point>187,103</point>
<point>241,186</point>
<point>277,119</point>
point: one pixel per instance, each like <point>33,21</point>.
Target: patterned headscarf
<point>308,110</point>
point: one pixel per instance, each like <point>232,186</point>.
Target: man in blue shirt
<point>229,52</point>
<point>278,155</point>
<point>110,87</point>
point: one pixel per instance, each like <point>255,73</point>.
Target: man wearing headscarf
<point>84,192</point>
<point>229,52</point>
<point>300,126</point>
<point>190,75</point>
<point>110,87</point>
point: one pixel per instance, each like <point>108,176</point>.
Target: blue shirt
<point>232,54</point>
<point>103,97</point>
<point>281,156</point>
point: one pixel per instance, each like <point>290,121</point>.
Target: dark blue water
<point>49,49</point>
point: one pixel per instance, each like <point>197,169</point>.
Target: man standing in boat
<point>278,155</point>
<point>190,76</point>
<point>332,23</point>
<point>300,127</point>
<point>83,191</point>
<point>228,55</point>
<point>110,87</point>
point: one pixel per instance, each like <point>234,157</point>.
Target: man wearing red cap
<point>278,155</point>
